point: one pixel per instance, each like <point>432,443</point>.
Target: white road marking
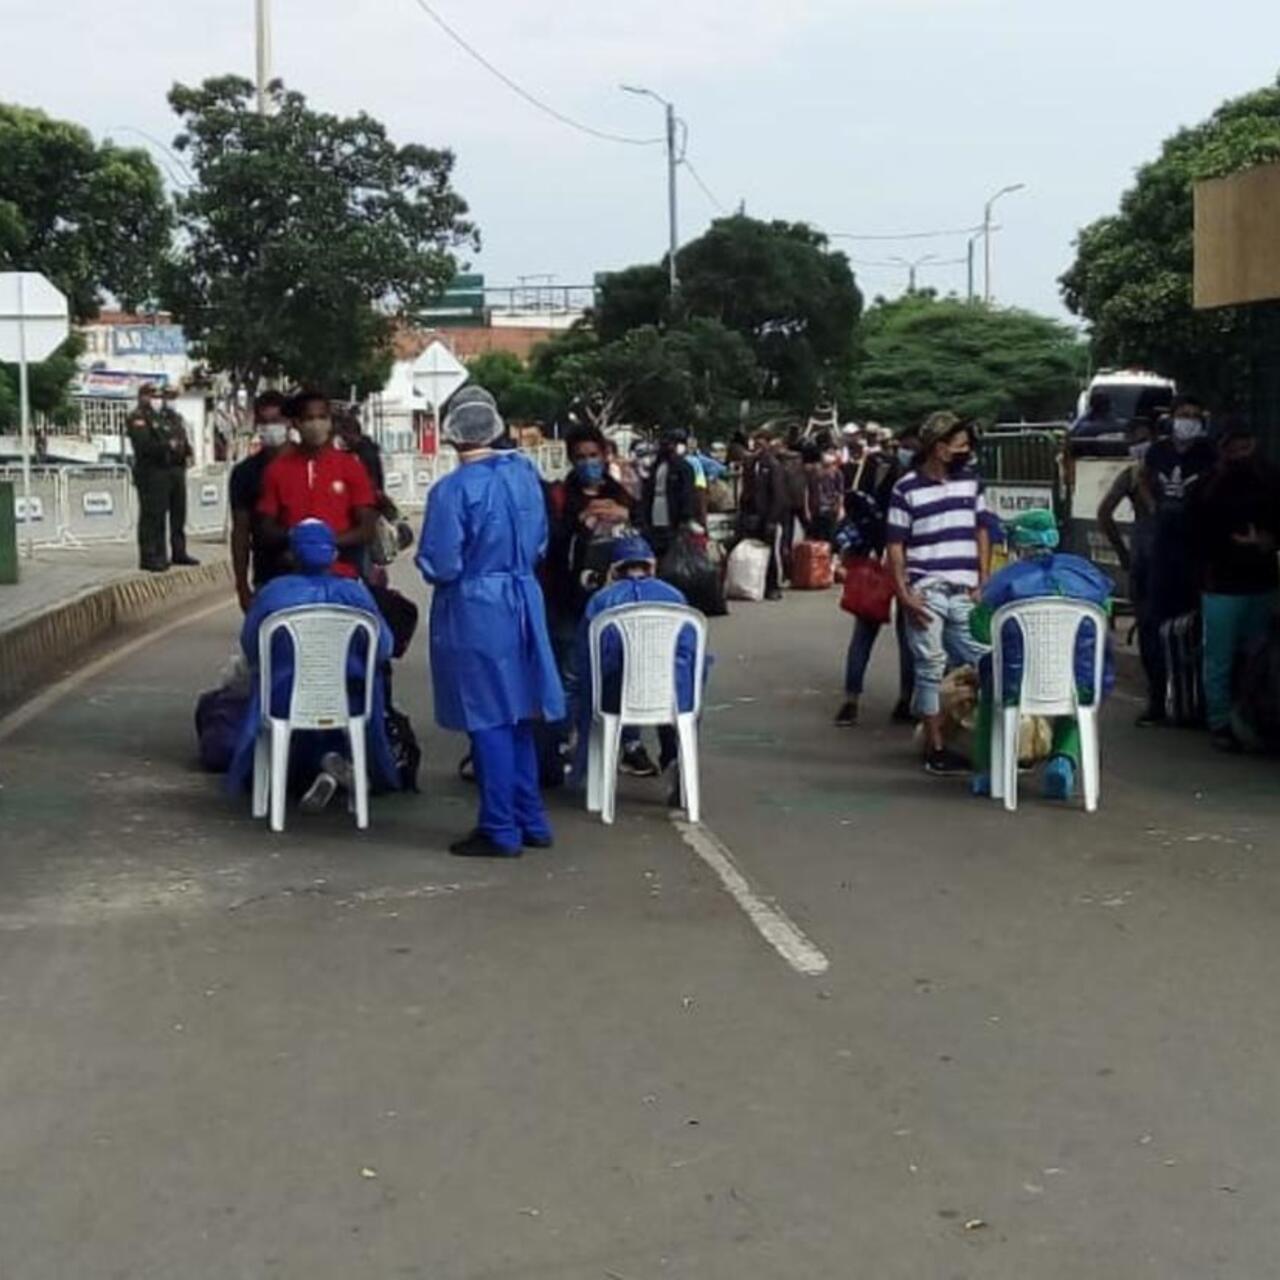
<point>771,922</point>
<point>46,698</point>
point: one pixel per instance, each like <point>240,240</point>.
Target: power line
<point>522,92</point>
<point>706,190</point>
<point>190,178</point>
<point>959,231</point>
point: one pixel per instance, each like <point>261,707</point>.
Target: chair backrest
<point>650,634</point>
<point>1050,630</point>
<point>321,635</point>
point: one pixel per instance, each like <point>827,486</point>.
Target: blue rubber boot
<point>1059,779</point>
<point>980,784</point>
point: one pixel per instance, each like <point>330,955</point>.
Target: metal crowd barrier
<point>100,504</point>
<point>207,499</point>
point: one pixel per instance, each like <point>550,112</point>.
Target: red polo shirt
<point>330,485</point>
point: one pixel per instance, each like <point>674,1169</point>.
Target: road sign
<point>32,312</point>
<point>33,325</point>
<point>437,374</point>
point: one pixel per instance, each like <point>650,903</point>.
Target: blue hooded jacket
<point>315,550</point>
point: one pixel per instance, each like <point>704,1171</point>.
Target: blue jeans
<point>945,641</point>
<point>861,644</point>
<point>1230,623</point>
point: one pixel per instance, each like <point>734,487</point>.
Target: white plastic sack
<point>748,568</point>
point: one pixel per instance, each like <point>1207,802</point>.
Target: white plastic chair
<point>649,634</point>
<point>321,636</point>
<point>1049,630</point>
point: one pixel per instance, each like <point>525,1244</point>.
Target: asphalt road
<point>1046,1045</point>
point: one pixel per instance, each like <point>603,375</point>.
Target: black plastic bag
<point>689,568</point>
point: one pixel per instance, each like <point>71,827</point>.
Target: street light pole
<point>986,236</point>
<point>262,61</point>
<point>913,266</point>
<point>673,163</point>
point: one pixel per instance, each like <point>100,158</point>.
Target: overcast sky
<point>862,116</point>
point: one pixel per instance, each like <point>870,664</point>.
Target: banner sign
<point>148,340</point>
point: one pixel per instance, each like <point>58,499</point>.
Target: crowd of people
<point>520,568</point>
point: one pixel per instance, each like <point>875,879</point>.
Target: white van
<point>1134,393</point>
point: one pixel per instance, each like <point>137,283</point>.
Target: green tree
<point>921,353</point>
<point>306,238</point>
<point>780,286</point>
<point>631,299</point>
<point>521,397</point>
<point>91,216</point>
<point>692,375</point>
<point>1132,277</point>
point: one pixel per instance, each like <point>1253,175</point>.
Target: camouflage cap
<point>938,426</point>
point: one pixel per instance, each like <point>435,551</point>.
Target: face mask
<point>1185,430</point>
<point>589,470</point>
<point>274,434</point>
<point>680,450</point>
<point>829,459</point>
<point>315,432</point>
<point>1139,451</point>
<point>906,457</point>
<point>958,466</point>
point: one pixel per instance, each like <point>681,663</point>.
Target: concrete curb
<point>39,647</point>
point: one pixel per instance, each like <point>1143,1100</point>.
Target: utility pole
<point>673,164</point>
<point>262,64</point>
<point>986,236</point>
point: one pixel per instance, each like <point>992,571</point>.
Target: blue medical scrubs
<point>492,668</point>
<point>289,592</point>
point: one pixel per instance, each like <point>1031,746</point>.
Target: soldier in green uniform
<point>174,429</point>
<point>151,476</point>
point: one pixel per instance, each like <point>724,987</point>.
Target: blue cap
<point>314,546</point>
<point>632,550</point>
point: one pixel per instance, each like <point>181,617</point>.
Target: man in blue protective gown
<point>492,667</point>
<point>631,581</point>
<point>316,760</point>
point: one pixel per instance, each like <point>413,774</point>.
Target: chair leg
<point>359,773</point>
<point>690,780</point>
<point>1011,717</point>
<point>611,732</point>
<point>997,753</point>
<point>1090,757</point>
<point>261,773</point>
<point>595,765</point>
<point>280,736</point>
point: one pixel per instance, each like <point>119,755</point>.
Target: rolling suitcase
<point>1181,639</point>
<point>812,568</point>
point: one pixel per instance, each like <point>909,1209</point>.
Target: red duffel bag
<point>811,566</point>
<point>868,589</point>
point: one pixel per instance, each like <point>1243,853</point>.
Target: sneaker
<point>478,845</point>
<point>636,762</point>
<point>538,840</point>
<point>319,793</point>
<point>1225,740</point>
<point>338,767</point>
<point>1152,718</point>
<point>775,594</point>
<point>184,560</point>
<point>980,785</point>
<point>945,763</point>
<point>1059,782</point>
<point>902,713</point>
<point>847,716</point>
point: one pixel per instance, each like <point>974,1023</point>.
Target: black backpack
<point>405,750</point>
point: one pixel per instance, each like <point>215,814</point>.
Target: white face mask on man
<point>1185,430</point>
<point>274,434</point>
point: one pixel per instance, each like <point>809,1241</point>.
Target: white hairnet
<point>474,394</point>
<point>473,424</point>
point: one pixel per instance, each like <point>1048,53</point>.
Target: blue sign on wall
<point>148,340</point>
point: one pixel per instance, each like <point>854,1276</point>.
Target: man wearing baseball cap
<point>940,554</point>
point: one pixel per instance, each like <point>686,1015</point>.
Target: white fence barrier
<point>100,504</point>
<point>207,499</point>
<point>408,477</point>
